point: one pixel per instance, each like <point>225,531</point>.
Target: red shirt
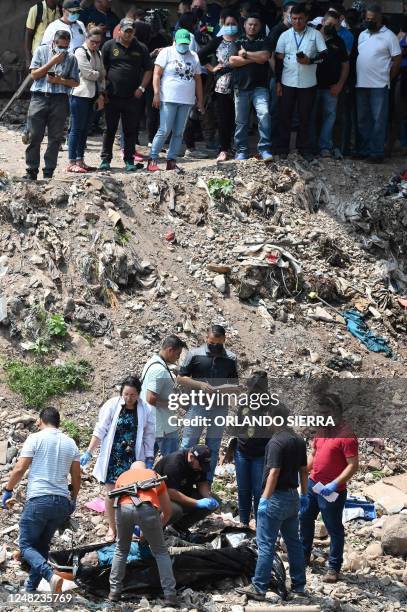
<point>330,458</point>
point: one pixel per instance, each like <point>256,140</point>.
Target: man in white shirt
<point>51,455</point>
<point>378,63</point>
<point>69,21</point>
<point>158,382</point>
<point>298,51</point>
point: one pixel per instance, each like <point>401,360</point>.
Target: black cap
<point>70,5</point>
<point>203,454</point>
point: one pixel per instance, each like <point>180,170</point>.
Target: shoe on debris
<point>114,596</point>
<point>152,165</point>
<point>251,592</point>
<point>105,165</point>
<point>331,576</point>
<point>172,601</point>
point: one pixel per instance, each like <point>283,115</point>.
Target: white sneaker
<point>195,154</point>
<point>55,583</point>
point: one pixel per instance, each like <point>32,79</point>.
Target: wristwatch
<point>141,88</point>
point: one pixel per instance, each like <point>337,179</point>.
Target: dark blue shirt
<point>109,19</point>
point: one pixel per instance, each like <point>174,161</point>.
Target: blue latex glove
<point>207,503</point>
<point>137,531</point>
<point>262,503</point>
<point>6,496</point>
<point>85,458</point>
<point>149,462</point>
<point>72,505</point>
<point>303,503</point>
<point>329,488</point>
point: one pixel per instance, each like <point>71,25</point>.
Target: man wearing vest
<point>39,17</point>
<point>71,10</point>
<point>151,515</point>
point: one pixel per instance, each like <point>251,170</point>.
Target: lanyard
<point>301,39</point>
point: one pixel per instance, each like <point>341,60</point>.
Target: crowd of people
<point>138,440</point>
<point>335,76</point>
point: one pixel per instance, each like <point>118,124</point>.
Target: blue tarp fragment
<point>356,325</point>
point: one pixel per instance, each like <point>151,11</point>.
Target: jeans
<point>169,443</point>
<point>40,519</point>
<point>81,120</point>
<point>332,516</point>
<point>279,514</point>
<point>373,110</point>
<point>128,110</point>
<point>173,118</point>
<point>260,98</point>
<point>249,476</point>
<point>46,111</point>
<point>326,104</point>
<point>149,520</point>
<point>214,432</point>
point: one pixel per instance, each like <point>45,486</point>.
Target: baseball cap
<point>289,2</point>
<point>203,454</point>
<point>70,5</point>
<point>183,37</point>
<point>127,24</point>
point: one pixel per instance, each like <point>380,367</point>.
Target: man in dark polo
<point>205,369</point>
<point>128,72</point>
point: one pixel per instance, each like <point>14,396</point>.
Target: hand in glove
<point>6,496</point>
<point>208,503</point>
<point>149,463</point>
<point>303,503</point>
<point>329,488</point>
<point>85,458</point>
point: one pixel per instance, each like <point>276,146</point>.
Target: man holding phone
<point>55,72</point>
<point>298,52</point>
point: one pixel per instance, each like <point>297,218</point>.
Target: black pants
<point>128,110</point>
<point>304,98</point>
<point>225,109</point>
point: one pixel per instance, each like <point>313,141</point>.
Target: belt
<point>47,94</point>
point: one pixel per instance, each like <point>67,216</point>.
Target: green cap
<point>183,37</point>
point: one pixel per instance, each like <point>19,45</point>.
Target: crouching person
<point>151,516</point>
<point>51,455</point>
<point>188,486</point>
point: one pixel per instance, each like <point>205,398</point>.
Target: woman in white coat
<point>125,431</point>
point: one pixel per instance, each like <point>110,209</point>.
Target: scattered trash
<point>358,328</point>
<point>97,504</point>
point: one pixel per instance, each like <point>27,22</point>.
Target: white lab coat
<point>105,429</point>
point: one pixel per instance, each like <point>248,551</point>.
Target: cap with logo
<point>126,24</point>
<point>203,454</point>
<point>182,37</point>
<point>71,5</point>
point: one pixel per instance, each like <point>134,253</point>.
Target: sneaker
<point>130,167</point>
<point>138,157</point>
<point>152,165</point>
<point>26,137</point>
<point>266,156</point>
<point>331,576</point>
<point>171,601</point>
<point>223,155</point>
<point>30,176</point>
<point>337,154</point>
<point>171,165</point>
<point>251,592</point>
<point>76,168</point>
<point>325,153</point>
<point>55,584</point>
<point>105,165</point>
<point>114,596</point>
<point>241,157</point>
<point>195,154</point>
<point>47,175</point>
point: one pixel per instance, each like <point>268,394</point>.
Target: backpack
<point>40,13</point>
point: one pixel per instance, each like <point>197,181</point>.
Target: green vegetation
<point>46,332</point>
<point>81,435</point>
<point>220,189</point>
<point>36,383</point>
<point>56,326</point>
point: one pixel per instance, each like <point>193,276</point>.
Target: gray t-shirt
<point>157,378</point>
<point>52,455</point>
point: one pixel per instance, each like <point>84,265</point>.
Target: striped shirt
<point>52,455</point>
<point>68,69</point>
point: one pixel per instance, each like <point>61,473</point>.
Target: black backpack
<point>40,13</point>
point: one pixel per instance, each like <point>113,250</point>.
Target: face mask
<point>182,48</point>
<point>60,50</point>
<point>330,30</point>
<point>230,30</point>
<point>371,26</point>
<point>72,17</point>
<point>215,349</point>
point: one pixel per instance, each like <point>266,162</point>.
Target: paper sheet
<point>331,497</point>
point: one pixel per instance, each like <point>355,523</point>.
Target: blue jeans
<point>249,476</point>
<point>260,98</point>
<point>173,118</point>
<point>373,112</point>
<point>280,514</point>
<point>167,444</point>
<point>40,519</point>
<point>81,120</point>
<point>332,516</point>
<point>192,433</point>
<point>326,103</point>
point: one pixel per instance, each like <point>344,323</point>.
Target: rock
<point>314,357</point>
<point>220,283</point>
<point>374,464</point>
<point>404,577</point>
<point>373,551</point>
<point>219,268</point>
<point>122,333</point>
<point>320,530</point>
<point>394,535</point>
<point>210,234</point>
<point>11,453</point>
<point>321,314</point>
<point>108,343</point>
<point>353,561</point>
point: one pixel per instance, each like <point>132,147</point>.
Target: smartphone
<point>51,73</point>
<point>300,54</point>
